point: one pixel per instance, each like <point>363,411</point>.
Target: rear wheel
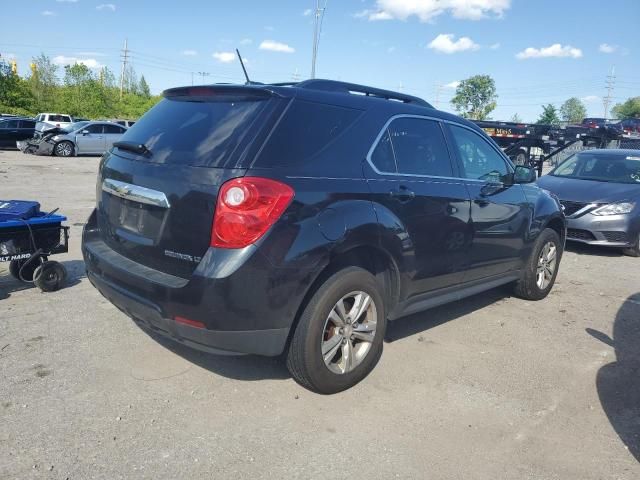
<point>63,149</point>
<point>338,340</point>
<point>542,267</point>
<point>633,251</point>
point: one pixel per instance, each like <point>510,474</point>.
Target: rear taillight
<point>246,208</point>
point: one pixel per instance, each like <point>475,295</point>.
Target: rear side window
<point>27,124</point>
<point>202,131</point>
<point>413,146</point>
<point>306,129</point>
<point>95,128</point>
<point>113,129</point>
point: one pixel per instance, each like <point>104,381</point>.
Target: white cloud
<point>555,50</point>
<point>273,46</point>
<point>224,57</point>
<point>106,6</point>
<point>453,85</point>
<point>494,46</point>
<point>89,62</point>
<point>590,98</point>
<point>307,12</point>
<point>189,53</point>
<point>48,13</point>
<point>606,48</point>
<point>427,10</point>
<point>246,41</point>
<point>446,43</point>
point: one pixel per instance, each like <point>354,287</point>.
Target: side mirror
<point>85,132</point>
<point>524,174</point>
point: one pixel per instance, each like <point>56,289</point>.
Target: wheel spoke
<point>360,305</point>
<point>347,357</point>
<point>339,309</point>
<point>364,336</point>
<point>330,347</point>
<point>334,316</point>
<point>551,255</point>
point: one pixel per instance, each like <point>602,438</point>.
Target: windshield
<point>601,167</point>
<point>74,126</point>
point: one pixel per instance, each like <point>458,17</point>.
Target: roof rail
<point>344,87</point>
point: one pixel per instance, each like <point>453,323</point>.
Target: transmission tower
<point>125,59</point>
<point>610,83</point>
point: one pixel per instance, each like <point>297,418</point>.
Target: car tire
<point>541,269</point>
<point>521,158</point>
<point>633,251</point>
<point>319,334</point>
<point>63,149</point>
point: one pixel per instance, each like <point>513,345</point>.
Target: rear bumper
<point>247,305</point>
<point>150,317</point>
<point>619,231</point>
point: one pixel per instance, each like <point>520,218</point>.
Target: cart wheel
<point>50,276</point>
<point>27,272</point>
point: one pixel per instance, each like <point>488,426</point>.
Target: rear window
<point>59,118</point>
<point>306,129</point>
<point>200,131</point>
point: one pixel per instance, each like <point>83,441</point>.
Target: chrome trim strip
<point>135,193</point>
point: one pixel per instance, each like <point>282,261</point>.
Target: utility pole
<point>317,29</point>
<point>192,79</point>
<point>610,82</point>
<point>203,74</point>
<point>438,90</point>
<point>125,58</point>
<point>295,77</point>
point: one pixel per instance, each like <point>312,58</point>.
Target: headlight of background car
<point>615,208</point>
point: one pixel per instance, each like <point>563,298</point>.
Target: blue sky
<point>537,51</point>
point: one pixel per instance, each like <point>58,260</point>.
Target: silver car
<point>80,138</point>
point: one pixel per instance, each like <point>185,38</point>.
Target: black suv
<point>300,218</point>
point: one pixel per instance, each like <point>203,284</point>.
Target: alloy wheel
<point>349,332</point>
<point>546,265</point>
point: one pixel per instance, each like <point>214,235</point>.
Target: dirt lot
<point>491,387</point>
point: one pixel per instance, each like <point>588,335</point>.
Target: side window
<point>382,157</point>
<point>113,129</point>
<point>12,124</point>
<point>419,147</point>
<point>479,160</point>
<point>95,128</point>
<point>27,124</point>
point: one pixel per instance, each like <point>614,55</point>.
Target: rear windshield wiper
<point>139,148</point>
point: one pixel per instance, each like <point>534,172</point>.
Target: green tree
<point>573,110</point>
<point>630,108</point>
<point>549,115</point>
<point>516,118</point>
<point>14,91</point>
<point>143,88</point>
<point>43,82</point>
<point>475,97</point>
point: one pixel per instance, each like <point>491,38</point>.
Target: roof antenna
<point>243,69</point>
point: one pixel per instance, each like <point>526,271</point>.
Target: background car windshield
<point>605,167</point>
<point>74,126</point>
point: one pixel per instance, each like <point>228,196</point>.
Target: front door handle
<point>403,194</point>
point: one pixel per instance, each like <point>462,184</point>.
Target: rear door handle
<point>403,194</point>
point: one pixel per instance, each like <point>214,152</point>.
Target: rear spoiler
<point>204,91</point>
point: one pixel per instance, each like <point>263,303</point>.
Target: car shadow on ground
<point>75,273</point>
<point>238,367</point>
<point>594,250</point>
<point>253,367</point>
<point>618,383</point>
<point>423,321</point>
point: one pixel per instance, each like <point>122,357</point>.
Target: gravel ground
<point>489,387</point>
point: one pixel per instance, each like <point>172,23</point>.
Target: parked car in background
<point>600,193</point>
<point>339,210</point>
<point>80,138</point>
<point>630,126</point>
<point>80,119</point>
<point>45,121</point>
<point>13,130</point>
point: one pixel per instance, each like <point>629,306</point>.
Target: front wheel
<point>338,340</point>
<point>541,269</point>
<point>63,149</point>
<point>633,251</point>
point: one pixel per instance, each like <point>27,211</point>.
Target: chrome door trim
<point>135,193</point>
